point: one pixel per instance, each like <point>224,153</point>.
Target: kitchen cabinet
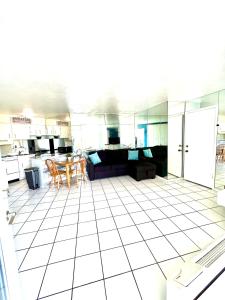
<point>52,127</point>
<point>5,131</point>
<point>53,130</point>
<point>20,131</point>
<point>37,130</point>
<point>65,132</point>
<point>24,161</point>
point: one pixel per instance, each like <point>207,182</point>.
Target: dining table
<point>71,166</point>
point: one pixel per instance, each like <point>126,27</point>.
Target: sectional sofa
<point>116,163</point>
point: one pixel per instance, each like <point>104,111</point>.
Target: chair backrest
<point>51,167</point>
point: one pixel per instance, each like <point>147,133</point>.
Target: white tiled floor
<point>109,239</point>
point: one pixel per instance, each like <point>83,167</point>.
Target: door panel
<point>175,129</point>
<point>200,146</point>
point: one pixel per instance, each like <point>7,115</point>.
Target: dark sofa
<point>159,159</point>
<point>116,163</point>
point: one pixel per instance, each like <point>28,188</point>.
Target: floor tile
<point>139,255</point>
<point>66,232</point>
<point>183,208</point>
<point>140,217</point>
<point>114,262</point>
<point>118,210</point>
<point>166,226</point>
<point>63,250</point>
<point>151,283</point>
<point>149,230</point>
<point>128,200</point>
<point>109,239</point>
<point>106,224</point>
<point>170,211</point>
<point>198,218</point>
<point>30,226</point>
<point>182,222</point>
<point>69,219</point>
<point>213,230</point>
<point>54,282</point>
<point>44,237</point>
<point>182,243</point>
<point>87,244</point>
<point>133,207</point>
<point>60,296</point>
<point>155,214</point>
<point>87,228</point>
<point>212,216</point>
<point>34,278</point>
<point>86,216</point>
<point>50,223</point>
<point>87,269</point>
<point>36,257</point>
<point>199,237</point>
<point>130,235</point>
<point>147,205</point>
<point>161,249</point>
<point>123,221</point>
<point>23,241</point>
<point>54,212</point>
<point>103,213</point>
<point>95,291</point>
<point>122,287</point>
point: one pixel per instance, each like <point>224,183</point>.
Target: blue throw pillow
<point>132,154</point>
<point>148,153</point>
<point>95,159</point>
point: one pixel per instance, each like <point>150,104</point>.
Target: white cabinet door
<point>53,130</point>
<point>200,146</point>
<point>5,131</point>
<point>20,131</point>
<point>37,130</point>
<point>65,132</point>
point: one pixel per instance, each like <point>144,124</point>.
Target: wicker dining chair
<point>54,172</point>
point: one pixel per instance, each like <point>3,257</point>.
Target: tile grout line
<point>125,251</point>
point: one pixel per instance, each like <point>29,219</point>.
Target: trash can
<point>32,177</point>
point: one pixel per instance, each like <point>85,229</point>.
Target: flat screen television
<point>114,140</point>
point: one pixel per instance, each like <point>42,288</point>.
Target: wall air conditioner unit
<point>197,275</point>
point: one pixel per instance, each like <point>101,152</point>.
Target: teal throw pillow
<point>95,159</point>
<point>132,154</point>
<point>148,153</point>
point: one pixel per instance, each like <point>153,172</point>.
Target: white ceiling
<point>108,56</point>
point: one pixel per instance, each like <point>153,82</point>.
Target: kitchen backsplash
<point>19,145</point>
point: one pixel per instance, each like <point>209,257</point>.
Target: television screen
<point>114,140</point>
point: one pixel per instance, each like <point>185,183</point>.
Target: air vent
<point>208,259</point>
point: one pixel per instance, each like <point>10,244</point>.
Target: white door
<point>200,146</point>
<point>175,129</point>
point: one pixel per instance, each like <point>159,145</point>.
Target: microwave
<point>66,149</point>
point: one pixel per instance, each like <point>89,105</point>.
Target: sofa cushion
<point>117,156</point>
<point>95,158</point>
<point>159,151</point>
<point>119,166</point>
<point>147,153</point>
<point>103,168</point>
<point>133,154</point>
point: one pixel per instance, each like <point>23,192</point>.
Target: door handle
<point>186,150</point>
<point>179,150</point>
